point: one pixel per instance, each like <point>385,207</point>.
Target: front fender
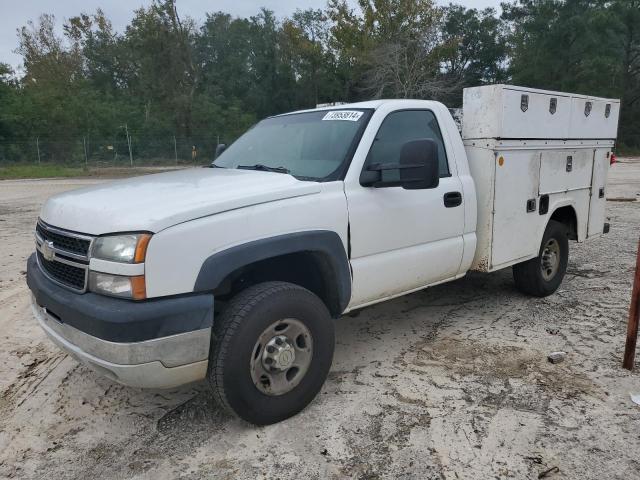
<point>324,242</point>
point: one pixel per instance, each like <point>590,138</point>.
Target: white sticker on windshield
<point>349,115</point>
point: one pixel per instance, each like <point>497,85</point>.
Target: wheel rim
<point>281,356</point>
<point>550,259</point>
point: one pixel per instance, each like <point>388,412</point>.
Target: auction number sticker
<point>349,115</point>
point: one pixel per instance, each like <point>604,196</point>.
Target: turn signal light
<point>141,248</point>
<point>138,288</point>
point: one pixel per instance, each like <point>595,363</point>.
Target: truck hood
<point>155,202</point>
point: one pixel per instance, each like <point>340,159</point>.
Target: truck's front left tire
<point>271,352</point>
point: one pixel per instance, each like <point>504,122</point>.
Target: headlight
<point>129,248</point>
<point>118,285</point>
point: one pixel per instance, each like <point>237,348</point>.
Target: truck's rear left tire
<point>541,276</point>
<point>271,353</point>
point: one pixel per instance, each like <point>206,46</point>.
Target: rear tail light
<point>612,159</point>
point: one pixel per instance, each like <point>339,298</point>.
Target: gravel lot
<point>448,383</point>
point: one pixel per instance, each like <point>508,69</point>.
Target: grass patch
<point>39,171</point>
<point>24,171</point>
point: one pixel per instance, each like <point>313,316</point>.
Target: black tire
<point>236,332</point>
<point>529,276</point>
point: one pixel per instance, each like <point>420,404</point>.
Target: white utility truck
<point>233,273</point>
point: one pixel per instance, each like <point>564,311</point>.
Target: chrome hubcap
<point>550,259</point>
<point>278,354</point>
<point>281,356</point>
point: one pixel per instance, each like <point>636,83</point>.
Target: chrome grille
<point>63,256</point>
<point>63,240</point>
<point>70,276</point>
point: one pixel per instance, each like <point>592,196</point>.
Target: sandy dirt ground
<point>448,383</point>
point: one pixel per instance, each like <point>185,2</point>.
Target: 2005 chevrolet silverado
<point>234,273</point>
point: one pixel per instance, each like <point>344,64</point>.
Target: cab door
<point>402,240</point>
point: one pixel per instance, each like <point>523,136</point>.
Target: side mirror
<point>220,148</point>
<point>418,168</point>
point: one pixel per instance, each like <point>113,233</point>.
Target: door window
<point>399,128</point>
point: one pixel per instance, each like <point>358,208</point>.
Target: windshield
<point>312,146</point>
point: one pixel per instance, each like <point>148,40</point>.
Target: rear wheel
<point>542,275</point>
<point>272,352</point>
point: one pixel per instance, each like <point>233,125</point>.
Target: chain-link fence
<point>126,151</point>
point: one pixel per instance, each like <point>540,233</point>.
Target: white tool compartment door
<point>527,114</point>
<point>515,231</point>
<point>598,200</point>
<point>565,170</point>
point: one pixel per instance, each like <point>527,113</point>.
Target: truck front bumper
<point>159,343</point>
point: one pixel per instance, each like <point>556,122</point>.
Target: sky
<point>14,14</point>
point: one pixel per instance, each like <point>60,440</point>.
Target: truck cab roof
<point>372,104</point>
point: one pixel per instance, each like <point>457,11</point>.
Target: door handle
<point>452,199</point>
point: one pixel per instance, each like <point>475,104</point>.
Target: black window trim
<point>444,145</point>
<point>340,173</point>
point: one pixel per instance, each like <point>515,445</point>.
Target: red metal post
<point>634,313</point>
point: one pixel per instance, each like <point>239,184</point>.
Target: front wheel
<point>542,275</point>
<point>272,352</point>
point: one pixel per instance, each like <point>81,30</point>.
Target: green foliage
<point>564,46</point>
<point>473,49</point>
<point>8,99</point>
<point>165,77</point>
<point>584,46</point>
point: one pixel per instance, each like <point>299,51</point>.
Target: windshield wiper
<point>213,165</point>
<point>263,168</point>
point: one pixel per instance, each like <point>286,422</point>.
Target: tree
<point>8,93</point>
<point>163,76</point>
<point>53,86</point>
<point>271,76</point>
<point>583,46</point>
<point>167,76</point>
<point>224,53</point>
<point>626,31</point>
<point>390,47</point>
<point>561,45</point>
<point>307,36</point>
<point>348,43</point>
<point>472,48</point>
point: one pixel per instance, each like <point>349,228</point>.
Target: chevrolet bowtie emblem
<point>47,250</point>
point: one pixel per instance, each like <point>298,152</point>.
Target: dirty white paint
<point>518,142</point>
<point>497,111</point>
<point>554,176</point>
<point>506,232</point>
